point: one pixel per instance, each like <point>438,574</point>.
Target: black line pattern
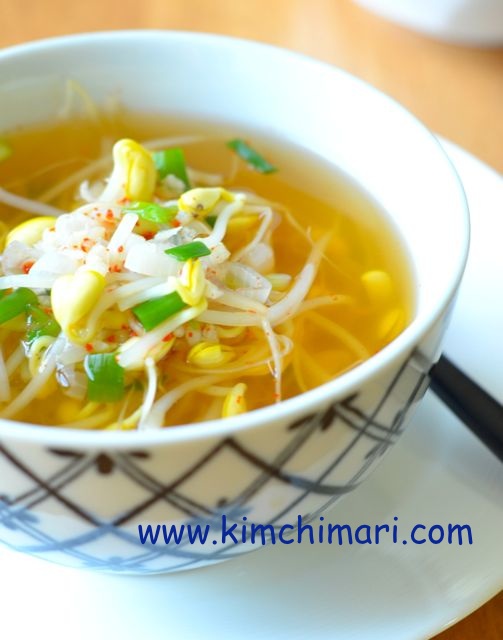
<point>358,430</point>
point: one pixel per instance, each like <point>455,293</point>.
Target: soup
<point>185,277</point>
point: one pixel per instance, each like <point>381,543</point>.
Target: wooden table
<point>456,91</point>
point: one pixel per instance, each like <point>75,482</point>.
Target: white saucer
<point>437,474</point>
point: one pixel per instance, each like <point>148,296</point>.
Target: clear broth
<point>319,197</point>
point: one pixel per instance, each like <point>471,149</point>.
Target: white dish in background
<point>474,22</point>
<point>326,592</point>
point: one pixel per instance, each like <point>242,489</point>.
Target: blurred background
<point>442,59</point>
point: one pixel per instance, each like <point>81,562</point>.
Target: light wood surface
<point>456,91</point>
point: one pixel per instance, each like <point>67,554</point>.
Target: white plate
<point>437,474</point>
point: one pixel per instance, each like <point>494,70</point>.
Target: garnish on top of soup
<point>164,295</point>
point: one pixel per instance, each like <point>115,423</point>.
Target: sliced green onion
<point>39,323</point>
<point>211,220</point>
<point>5,150</point>
<point>252,157</point>
<point>152,212</point>
<point>105,378</point>
<point>155,311</point>
<point>15,303</point>
<point>171,162</point>
<point>190,250</point>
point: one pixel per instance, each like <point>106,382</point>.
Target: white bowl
<point>472,22</point>
<point>78,497</point>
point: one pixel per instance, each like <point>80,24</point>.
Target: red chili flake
<point>85,245</point>
<point>124,327</point>
<point>168,337</point>
<point>28,265</point>
<point>238,399</point>
<point>120,248</point>
<point>123,201</point>
<point>88,347</point>
<point>111,339</point>
<point>176,223</point>
<point>110,215</point>
<point>148,235</point>
<point>132,333</point>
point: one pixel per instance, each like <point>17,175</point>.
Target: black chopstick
<point>481,413</point>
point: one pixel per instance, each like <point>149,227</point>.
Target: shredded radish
<point>137,352</point>
<point>150,260</point>
<point>17,254</point>
<point>123,231</point>
<point>71,353</point>
<point>146,294</point>
<point>134,287</point>
<point>54,263</point>
<point>35,281</point>
<point>73,382</point>
<point>219,255</point>
<point>260,257</point>
<point>248,282</point>
<point>166,235</point>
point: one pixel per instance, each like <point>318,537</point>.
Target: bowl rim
<point>342,386</point>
